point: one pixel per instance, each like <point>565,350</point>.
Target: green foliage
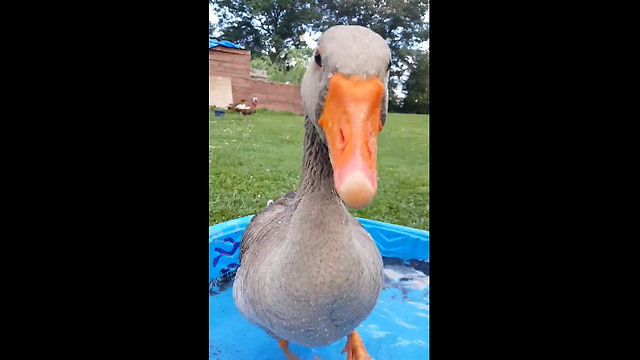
<point>399,21</point>
<point>266,26</point>
<point>395,103</point>
<point>291,71</point>
<point>416,87</point>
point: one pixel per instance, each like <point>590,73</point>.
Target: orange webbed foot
<point>284,345</point>
<point>355,348</point>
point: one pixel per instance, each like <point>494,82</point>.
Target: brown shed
<point>230,81</point>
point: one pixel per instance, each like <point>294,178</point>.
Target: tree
<point>401,22</point>
<point>266,26</point>
<point>416,87</point>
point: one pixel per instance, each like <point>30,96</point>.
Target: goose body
<point>309,272</point>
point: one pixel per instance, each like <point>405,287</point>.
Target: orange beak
<point>351,123</point>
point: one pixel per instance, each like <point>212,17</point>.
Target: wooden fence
<point>236,65</point>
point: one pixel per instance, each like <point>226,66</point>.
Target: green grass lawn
<point>260,158</point>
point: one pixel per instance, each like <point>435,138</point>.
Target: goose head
<point>344,94</point>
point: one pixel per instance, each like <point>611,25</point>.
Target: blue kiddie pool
<point>398,327</point>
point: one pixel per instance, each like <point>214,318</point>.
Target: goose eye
<point>317,58</point>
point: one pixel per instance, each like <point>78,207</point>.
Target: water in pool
<point>398,327</point>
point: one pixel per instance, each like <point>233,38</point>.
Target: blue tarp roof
<point>214,43</point>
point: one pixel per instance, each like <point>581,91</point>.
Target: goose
<point>309,272</point>
<point>243,108</point>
